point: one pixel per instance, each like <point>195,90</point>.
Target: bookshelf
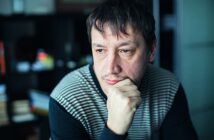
<point>36,50</point>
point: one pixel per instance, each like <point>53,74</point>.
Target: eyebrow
<point>97,45</point>
<point>125,43</point>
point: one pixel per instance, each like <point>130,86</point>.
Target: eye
<point>125,51</point>
<point>100,51</point>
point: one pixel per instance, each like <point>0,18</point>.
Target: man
<point>121,96</point>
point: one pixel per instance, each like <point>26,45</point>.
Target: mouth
<point>112,82</point>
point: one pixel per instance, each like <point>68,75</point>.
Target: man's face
<point>118,57</point>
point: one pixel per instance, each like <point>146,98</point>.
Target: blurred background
<point>42,40</point>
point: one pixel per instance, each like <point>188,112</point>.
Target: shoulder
<point>161,78</point>
<point>161,86</point>
<point>157,73</point>
<point>72,84</point>
<point>159,89</point>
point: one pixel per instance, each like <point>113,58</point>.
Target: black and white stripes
<point>79,93</point>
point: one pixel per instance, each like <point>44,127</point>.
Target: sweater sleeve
<point>177,124</point>
<point>64,126</point>
<point>107,134</point>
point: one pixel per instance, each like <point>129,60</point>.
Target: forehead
<point>108,32</point>
<point>110,39</point>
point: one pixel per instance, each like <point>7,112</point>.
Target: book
<point>4,120</point>
<point>23,117</point>
<point>39,101</point>
<point>21,111</point>
<point>2,59</point>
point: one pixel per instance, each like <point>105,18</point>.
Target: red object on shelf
<point>2,59</point>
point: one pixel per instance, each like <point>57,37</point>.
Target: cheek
<point>135,69</point>
<point>99,66</point>
<point>98,63</point>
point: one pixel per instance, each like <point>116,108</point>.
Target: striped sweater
<point>80,95</point>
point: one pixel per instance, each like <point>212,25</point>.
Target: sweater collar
<point>94,77</point>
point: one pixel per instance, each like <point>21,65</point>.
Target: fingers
<point>128,88</point>
<point>126,91</point>
<point>135,101</point>
<point>125,82</point>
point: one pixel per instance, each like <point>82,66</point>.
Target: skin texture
<point>119,64</point>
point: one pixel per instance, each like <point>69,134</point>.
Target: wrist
<point>116,128</point>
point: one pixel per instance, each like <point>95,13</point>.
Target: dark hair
<point>118,13</point>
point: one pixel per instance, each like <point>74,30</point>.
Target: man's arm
<point>177,124</point>
<point>65,127</point>
<point>62,125</point>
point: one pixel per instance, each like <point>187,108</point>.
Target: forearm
<point>63,126</point>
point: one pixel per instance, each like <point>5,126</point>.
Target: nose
<point>113,64</point>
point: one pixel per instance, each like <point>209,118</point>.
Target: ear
<point>152,52</point>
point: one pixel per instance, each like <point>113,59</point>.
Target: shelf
<point>62,36</point>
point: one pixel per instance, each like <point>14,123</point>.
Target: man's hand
<point>123,99</point>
